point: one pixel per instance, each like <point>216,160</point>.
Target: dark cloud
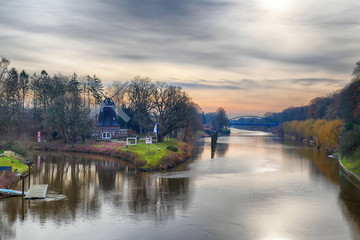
<point>314,81</point>
<point>247,84</point>
<point>302,82</point>
<point>221,84</point>
<point>206,33</point>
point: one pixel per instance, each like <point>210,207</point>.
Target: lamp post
<point>29,163</point>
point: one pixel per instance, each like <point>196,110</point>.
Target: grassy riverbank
<point>158,156</point>
<point>353,165</point>
<point>161,156</point>
<point>14,160</point>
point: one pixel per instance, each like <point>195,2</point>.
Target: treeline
<point>59,106</point>
<point>342,104</point>
<point>40,102</point>
<point>324,133</point>
<point>216,121</point>
<point>329,120</point>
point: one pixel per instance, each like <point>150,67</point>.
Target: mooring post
<point>214,138</point>
<point>29,177</point>
<point>23,185</point>
<point>28,163</point>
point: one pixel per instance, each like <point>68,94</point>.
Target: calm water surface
<point>254,187</point>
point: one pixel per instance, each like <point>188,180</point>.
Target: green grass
<point>351,164</point>
<point>10,160</point>
<point>98,146</point>
<point>157,151</point>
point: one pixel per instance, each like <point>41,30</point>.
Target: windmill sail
<point>122,114</point>
<point>119,90</point>
<point>97,110</point>
<point>107,111</point>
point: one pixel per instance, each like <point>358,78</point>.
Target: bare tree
<point>221,119</point>
<point>173,108</point>
<point>140,95</point>
<point>4,63</point>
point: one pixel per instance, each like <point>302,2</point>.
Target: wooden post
<point>29,163</point>
<point>214,138</point>
<point>23,185</point>
<point>29,177</point>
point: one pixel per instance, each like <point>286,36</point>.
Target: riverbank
<point>17,164</point>
<point>144,157</point>
<point>349,172</point>
<point>351,165</point>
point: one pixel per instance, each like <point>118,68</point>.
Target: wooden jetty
<point>37,192</point>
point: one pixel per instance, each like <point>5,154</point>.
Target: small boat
<point>10,192</point>
<point>333,156</point>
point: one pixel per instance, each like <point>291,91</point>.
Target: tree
<point>66,111</point>
<point>11,89</point>
<point>318,107</point>
<point>4,63</point>
<point>173,108</point>
<point>356,71</point>
<point>140,94</point>
<point>95,88</point>
<point>118,94</point>
<point>23,88</point>
<point>221,119</point>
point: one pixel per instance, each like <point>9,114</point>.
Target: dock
<point>37,192</point>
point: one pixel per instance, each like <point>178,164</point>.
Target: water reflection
<point>350,196</point>
<point>255,187</point>
<point>320,164</point>
<point>81,186</point>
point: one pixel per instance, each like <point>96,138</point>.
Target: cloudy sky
<point>248,56</point>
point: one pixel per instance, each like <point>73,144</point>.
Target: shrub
<point>350,142</point>
<point>18,147</point>
<point>225,131</point>
<point>171,148</point>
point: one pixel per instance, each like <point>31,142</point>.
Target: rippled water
<point>254,187</point>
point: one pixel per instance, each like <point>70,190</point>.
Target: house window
<point>106,135</point>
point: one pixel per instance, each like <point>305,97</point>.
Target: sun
<point>275,5</point>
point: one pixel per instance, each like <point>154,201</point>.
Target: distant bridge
<point>252,121</point>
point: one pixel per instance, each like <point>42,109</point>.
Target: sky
<point>247,56</point>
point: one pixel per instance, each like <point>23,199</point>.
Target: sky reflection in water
<point>255,187</point>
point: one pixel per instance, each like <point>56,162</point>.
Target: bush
<point>171,148</point>
<point>54,134</point>
<point>350,142</point>
<point>18,147</point>
<point>225,131</point>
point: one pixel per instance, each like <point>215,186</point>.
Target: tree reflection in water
<point>80,186</point>
<point>349,195</point>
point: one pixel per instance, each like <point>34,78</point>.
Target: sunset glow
<point>246,57</point>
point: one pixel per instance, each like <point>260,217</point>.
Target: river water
<point>255,187</point>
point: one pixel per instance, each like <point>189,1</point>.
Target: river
<point>256,186</point>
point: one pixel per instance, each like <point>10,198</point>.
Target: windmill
<point>107,123</point>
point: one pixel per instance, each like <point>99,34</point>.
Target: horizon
<point>247,57</point>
